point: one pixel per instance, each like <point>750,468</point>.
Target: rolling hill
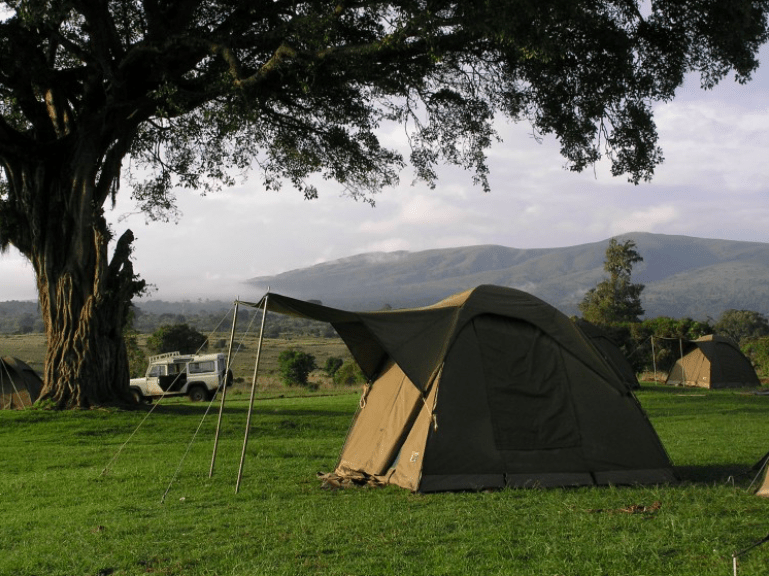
<point>684,276</point>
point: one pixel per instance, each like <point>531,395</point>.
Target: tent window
<point>527,386</point>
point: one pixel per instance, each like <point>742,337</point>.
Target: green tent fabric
<point>610,351</point>
<point>485,389</point>
<point>20,385</point>
<point>713,361</point>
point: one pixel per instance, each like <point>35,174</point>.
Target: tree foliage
<point>198,92</point>
<point>137,359</point>
<point>742,325</point>
<point>177,337</point>
<point>757,350</point>
<point>667,333</point>
<point>332,365</point>
<point>349,374</point>
<point>295,366</point>
<point>615,299</point>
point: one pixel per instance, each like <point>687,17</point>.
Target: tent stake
<point>224,389</point>
<point>253,392</point>
<point>741,552</point>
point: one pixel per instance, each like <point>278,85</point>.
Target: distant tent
<point>762,466</point>
<point>486,389</point>
<point>713,362</point>
<point>611,352</point>
<point>20,385</point>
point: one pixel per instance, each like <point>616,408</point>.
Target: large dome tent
<point>488,388</point>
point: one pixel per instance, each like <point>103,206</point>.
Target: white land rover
<point>173,374</point>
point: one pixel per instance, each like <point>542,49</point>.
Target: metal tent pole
<point>253,392</point>
<point>224,389</point>
<point>654,359</point>
<point>683,370</point>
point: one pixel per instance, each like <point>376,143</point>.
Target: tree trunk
<point>86,362</point>
<point>84,298</point>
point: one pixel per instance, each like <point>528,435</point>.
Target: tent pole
<point>683,370</point>
<point>253,392</point>
<point>224,388</point>
<point>654,359</point>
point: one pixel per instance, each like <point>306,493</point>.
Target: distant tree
<point>176,337</point>
<point>350,374</point>
<point>137,359</point>
<point>757,350</point>
<point>332,365</point>
<point>741,325</point>
<point>25,324</point>
<point>294,367</point>
<point>615,299</point>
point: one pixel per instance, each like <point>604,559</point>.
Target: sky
<point>714,183</point>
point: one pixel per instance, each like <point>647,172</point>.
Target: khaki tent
<point>611,352</point>
<point>20,385</point>
<point>713,362</point>
<point>488,388</point>
<point>762,468</point>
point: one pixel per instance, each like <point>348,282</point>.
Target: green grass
<point>61,516</point>
<point>31,348</point>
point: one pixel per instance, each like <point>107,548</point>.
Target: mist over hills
<point>684,276</point>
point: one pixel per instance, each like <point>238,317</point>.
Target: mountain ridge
<point>684,276</point>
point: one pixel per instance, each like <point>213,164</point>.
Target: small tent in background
<point>713,362</point>
<point>761,468</point>
<point>610,351</point>
<point>486,389</point>
<point>20,385</point>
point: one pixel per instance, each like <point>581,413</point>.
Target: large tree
<point>196,91</point>
<point>615,299</point>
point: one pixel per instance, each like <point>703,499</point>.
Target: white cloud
<point>18,278</point>
<point>652,219</point>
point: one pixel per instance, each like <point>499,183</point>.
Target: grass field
<point>63,514</point>
<point>31,349</point>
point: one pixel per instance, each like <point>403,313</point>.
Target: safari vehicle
<point>174,374</point>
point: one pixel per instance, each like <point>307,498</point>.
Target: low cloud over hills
<point>684,276</point>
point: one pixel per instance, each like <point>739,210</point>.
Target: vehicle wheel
<point>198,394</point>
<point>138,397</point>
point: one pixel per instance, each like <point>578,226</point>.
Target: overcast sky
<point>714,183</point>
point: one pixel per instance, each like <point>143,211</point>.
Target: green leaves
<point>302,88</point>
<point>615,299</point>
<point>295,366</point>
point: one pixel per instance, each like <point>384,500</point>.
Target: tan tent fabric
<point>20,385</point>
<point>488,388</point>
<point>713,362</point>
<point>762,468</point>
<point>378,430</point>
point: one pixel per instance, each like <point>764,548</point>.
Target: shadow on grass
<point>683,390</point>
<point>738,473</point>
<point>200,409</point>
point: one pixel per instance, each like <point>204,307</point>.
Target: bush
<point>349,374</point>
<point>176,337</point>
<point>294,366</point>
<point>757,350</point>
<point>333,364</point>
